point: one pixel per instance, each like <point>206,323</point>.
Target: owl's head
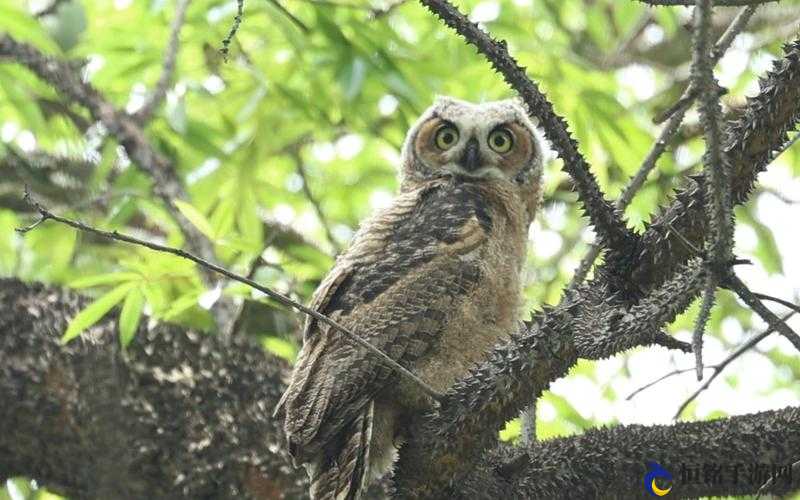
<point>488,142</point>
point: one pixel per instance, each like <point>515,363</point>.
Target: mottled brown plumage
<point>433,281</point>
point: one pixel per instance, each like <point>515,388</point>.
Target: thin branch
<point>718,368</point>
<point>294,19</point>
<point>719,49</point>
<point>50,9</point>
<point>237,22</point>
<point>606,219</point>
<point>671,374</point>
<point>753,301</point>
<point>785,303</point>
<point>301,171</point>
<point>278,297</point>
<point>145,113</point>
<point>700,323</point>
<point>634,184</point>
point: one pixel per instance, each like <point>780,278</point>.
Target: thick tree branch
<point>177,415</point>
<point>750,145</point>
<point>616,465</point>
<point>182,415</point>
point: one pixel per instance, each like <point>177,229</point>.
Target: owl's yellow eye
<point>501,140</point>
<point>446,137</point>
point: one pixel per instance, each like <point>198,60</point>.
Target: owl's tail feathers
<point>341,471</point>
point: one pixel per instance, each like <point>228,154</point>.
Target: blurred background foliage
<point>294,139</point>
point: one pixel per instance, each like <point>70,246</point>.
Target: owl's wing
<point>406,270</point>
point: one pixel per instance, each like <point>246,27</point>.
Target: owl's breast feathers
<point>406,271</point>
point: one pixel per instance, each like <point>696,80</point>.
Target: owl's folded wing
<point>396,286</point>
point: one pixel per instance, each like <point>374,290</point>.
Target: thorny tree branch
<point>675,115</point>
<point>606,219</point>
<point>237,22</point>
<point>276,296</point>
<point>184,415</point>
<point>543,352</point>
<point>759,308</point>
<point>144,114</point>
<point>718,202</point>
<point>446,448</point>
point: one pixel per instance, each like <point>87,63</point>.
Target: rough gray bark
<point>177,415</point>
<point>182,415</point>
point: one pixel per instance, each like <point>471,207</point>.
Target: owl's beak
<point>471,157</point>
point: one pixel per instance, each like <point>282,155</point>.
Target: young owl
<point>433,281</point>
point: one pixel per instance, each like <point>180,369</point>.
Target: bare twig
<point>294,19</point>
<point>785,303</point>
<point>276,296</point>
<point>608,224</point>
<point>718,368</point>
<point>50,9</point>
<point>237,22</point>
<point>671,374</point>
<point>144,114</point>
<point>753,301</point>
<point>301,171</point>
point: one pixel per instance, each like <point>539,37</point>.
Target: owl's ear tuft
<point>443,100</point>
<point>520,103</point>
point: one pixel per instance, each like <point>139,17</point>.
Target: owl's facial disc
<point>474,149</point>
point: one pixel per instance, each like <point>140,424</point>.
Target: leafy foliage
<point>324,95</point>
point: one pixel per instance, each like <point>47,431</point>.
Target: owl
<point>433,281</point>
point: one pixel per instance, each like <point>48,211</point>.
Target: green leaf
<point>280,347</point>
<point>95,311</point>
<point>103,279</point>
<point>130,316</point>
<point>195,217</point>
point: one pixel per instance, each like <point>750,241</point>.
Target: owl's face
<point>487,142</point>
